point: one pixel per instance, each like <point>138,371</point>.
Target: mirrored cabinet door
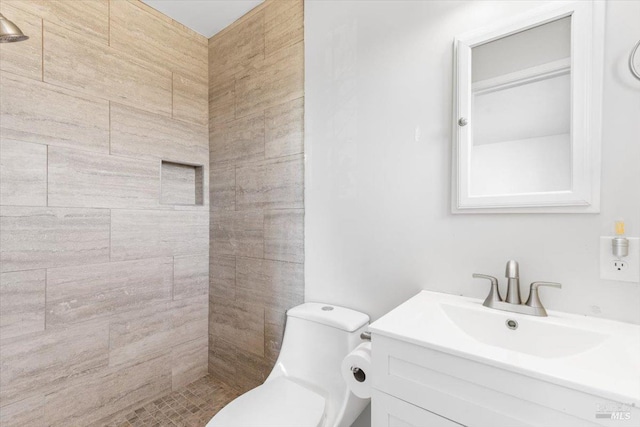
<point>527,114</point>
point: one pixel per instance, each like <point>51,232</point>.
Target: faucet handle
<point>494,293</point>
<point>534,298</point>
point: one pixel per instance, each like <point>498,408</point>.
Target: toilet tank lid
<point>330,315</point>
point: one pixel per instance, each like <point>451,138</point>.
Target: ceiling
<point>206,17</point>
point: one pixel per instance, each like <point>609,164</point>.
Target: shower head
<point>9,32</point>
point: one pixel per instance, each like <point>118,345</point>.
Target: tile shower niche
<point>181,184</point>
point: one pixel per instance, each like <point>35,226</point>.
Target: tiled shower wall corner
<point>256,107</point>
<point>103,290</point>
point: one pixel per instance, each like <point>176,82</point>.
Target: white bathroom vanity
<point>445,360</point>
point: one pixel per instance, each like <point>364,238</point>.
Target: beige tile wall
<point>103,289</point>
<point>256,107</point>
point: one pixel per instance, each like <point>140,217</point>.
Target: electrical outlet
<point>626,269</point>
<point>619,265</point>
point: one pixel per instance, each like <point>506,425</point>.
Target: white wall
<point>378,140</point>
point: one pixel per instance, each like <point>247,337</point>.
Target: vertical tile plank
<point>23,173</point>
<point>22,307</point>
<point>284,129</point>
<point>249,328</point>
<point>190,101</point>
<point>222,278</point>
<point>190,276</point>
<point>222,188</point>
<point>189,362</point>
<point>283,24</point>
<point>284,235</point>
<point>279,78</point>
<point>222,103</point>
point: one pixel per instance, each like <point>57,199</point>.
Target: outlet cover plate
<point>631,273</point>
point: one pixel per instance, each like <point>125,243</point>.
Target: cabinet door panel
<point>387,411</point>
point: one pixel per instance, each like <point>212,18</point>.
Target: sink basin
<point>531,335</point>
<point>585,353</point>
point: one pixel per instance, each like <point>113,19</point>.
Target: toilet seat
<point>276,403</point>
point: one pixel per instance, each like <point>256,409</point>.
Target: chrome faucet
<point>513,303</point>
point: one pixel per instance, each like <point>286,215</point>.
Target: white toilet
<point>305,388</point>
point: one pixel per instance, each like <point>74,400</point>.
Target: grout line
<point>109,127</point>
<point>155,208</point>
<point>31,269</point>
<point>200,253</point>
<point>183,208</point>
<point>108,22</point>
<point>140,157</point>
<point>261,259</point>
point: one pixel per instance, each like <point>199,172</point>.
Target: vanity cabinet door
<point>388,411</point>
<point>476,394</point>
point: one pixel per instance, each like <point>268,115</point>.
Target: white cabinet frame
<point>587,45</point>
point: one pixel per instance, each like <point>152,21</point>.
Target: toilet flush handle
<point>366,336</point>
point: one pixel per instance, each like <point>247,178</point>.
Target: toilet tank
<point>317,338</point>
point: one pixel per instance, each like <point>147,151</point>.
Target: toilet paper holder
<point>356,368</point>
<point>358,374</point>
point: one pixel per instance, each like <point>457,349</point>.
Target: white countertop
<point>597,356</point>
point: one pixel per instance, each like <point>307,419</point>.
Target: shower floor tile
<point>191,406</point>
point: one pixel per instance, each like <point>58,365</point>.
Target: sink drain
<point>511,324</point>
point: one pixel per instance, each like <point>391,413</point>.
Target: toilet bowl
<point>305,387</point>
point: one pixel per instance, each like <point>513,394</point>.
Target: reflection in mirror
<point>521,109</point>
